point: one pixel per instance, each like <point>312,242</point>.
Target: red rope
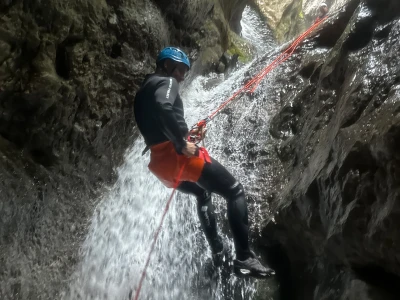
<point>255,81</point>
<point>285,55</point>
<point>157,233</point>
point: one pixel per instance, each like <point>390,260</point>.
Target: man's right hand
<point>190,149</point>
<point>200,133</point>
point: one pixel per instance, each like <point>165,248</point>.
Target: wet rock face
<point>69,71</point>
<point>68,78</point>
<point>68,75</point>
<point>289,18</point>
<point>339,133</point>
<point>233,12</point>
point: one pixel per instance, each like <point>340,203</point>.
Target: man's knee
<point>235,190</point>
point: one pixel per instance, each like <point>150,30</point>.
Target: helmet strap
<point>166,70</point>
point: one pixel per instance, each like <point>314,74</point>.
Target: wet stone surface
<point>338,131</point>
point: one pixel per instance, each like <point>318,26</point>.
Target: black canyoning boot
<point>251,267</point>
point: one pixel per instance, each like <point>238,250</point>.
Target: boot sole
<point>244,273</point>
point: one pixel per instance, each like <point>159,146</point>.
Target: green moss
<point>235,50</point>
<point>240,47</point>
<point>209,56</point>
<point>210,26</point>
<point>215,37</point>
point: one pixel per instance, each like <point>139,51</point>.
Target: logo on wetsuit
<point>169,88</point>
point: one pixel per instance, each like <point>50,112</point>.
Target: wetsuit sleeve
<point>165,96</point>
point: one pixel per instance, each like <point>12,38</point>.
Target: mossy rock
<point>210,57</point>
<point>240,47</point>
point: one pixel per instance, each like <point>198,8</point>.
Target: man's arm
<point>165,95</point>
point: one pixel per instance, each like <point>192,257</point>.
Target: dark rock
<point>220,67</point>
<point>338,216</point>
<point>69,71</point>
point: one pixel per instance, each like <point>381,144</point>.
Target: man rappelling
<point>159,115</point>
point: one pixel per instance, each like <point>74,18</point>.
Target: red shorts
<point>166,164</point>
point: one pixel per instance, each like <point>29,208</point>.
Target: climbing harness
<point>195,134</point>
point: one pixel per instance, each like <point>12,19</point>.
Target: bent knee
<point>235,190</point>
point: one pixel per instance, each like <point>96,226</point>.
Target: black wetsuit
<point>160,117</point>
<point>159,112</point>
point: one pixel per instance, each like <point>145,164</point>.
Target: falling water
<point>255,30</point>
<point>122,228</point>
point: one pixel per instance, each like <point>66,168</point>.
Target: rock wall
<point>338,135</point>
<point>69,71</point>
<point>289,18</point>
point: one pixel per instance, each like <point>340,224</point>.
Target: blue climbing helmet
<point>175,54</point>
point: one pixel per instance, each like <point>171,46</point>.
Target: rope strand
<point>157,233</point>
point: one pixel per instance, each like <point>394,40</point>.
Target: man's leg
<point>205,211</point>
<point>215,178</point>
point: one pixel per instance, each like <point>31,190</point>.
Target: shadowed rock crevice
<point>376,276</point>
<point>363,31</point>
<point>116,51</point>
<point>311,72</point>
<point>63,62</point>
